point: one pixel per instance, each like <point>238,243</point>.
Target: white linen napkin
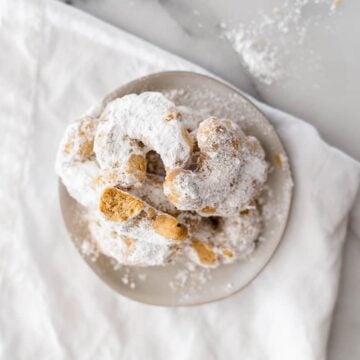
<point>55,62</point>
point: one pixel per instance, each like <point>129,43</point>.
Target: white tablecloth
<point>55,62</point>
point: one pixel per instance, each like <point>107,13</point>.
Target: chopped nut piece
<point>117,205</point>
<point>205,252</point>
<point>278,160</point>
<point>136,166</point>
<point>208,210</point>
<point>169,227</point>
<point>228,253</point>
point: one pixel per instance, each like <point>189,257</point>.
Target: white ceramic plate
<point>173,285</point>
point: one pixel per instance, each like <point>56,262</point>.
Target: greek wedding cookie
<point>131,127</point>
<point>231,171</point>
<point>235,238</point>
<point>76,163</point>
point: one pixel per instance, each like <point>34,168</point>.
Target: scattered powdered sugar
<point>125,279</point>
<point>230,286</point>
<point>258,55</point>
<point>189,280</point>
<point>263,43</point>
<point>128,279</point>
<point>89,249</point>
<point>142,277</point>
<point>115,264</point>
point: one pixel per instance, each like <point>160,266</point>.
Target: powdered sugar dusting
<point>189,280</point>
<point>133,121</point>
<point>263,43</point>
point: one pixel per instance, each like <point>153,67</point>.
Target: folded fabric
<point>58,61</point>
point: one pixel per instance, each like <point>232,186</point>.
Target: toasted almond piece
<point>188,138</point>
<point>244,212</point>
<point>136,166</point>
<point>151,213</point>
<point>205,252</point>
<point>174,115</point>
<point>171,175</point>
<point>169,227</point>
<point>172,194</point>
<point>117,205</point>
<point>228,253</point>
<point>208,210</point>
<point>278,160</point>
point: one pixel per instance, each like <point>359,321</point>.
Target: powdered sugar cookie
<point>131,216</point>
<point>234,238</point>
<point>231,171</point>
<point>129,250</point>
<point>132,126</point>
<point>76,163</point>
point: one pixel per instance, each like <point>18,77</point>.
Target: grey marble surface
<point>316,48</point>
<point>321,74</point>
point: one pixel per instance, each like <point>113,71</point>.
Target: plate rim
<point>148,77</point>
